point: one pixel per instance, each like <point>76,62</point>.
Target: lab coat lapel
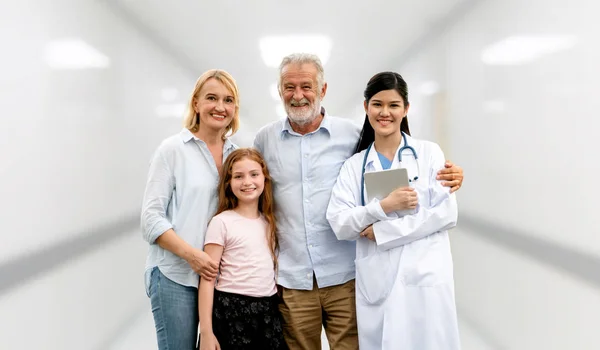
<point>373,163</point>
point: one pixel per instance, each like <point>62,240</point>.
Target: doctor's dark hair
<point>381,82</point>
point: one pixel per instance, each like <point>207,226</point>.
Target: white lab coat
<point>404,280</point>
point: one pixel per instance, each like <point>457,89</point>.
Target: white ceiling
<point>367,36</point>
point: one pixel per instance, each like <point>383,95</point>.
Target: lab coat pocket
<point>376,275</point>
<point>428,262</point>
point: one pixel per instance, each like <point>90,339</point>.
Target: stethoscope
<point>362,174</point>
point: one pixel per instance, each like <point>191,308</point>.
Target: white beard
<point>305,116</point>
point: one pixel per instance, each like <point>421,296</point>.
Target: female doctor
<point>404,278</point>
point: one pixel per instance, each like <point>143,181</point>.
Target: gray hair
<point>302,58</point>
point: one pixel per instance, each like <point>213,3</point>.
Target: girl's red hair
<point>266,205</point>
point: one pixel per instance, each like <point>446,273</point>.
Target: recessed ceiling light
<point>524,49</point>
<point>74,54</point>
<point>275,48</point>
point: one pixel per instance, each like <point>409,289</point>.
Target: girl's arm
<point>206,293</point>
<point>347,217</point>
<point>442,214</point>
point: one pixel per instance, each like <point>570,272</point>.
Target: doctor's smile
<point>385,122</point>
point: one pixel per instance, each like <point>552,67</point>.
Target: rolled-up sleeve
<point>158,193</point>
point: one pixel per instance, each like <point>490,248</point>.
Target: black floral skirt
<point>243,322</point>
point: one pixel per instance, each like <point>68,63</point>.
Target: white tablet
<point>379,184</point>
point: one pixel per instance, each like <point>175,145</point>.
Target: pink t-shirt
<point>246,265</point>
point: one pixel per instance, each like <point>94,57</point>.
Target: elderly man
<point>304,153</point>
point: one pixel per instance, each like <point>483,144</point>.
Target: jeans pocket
<point>376,275</point>
<point>150,280</point>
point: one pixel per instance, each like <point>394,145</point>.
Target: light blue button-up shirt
<point>304,169</point>
<point>181,193</point>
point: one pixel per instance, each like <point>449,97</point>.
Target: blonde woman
<point>179,201</point>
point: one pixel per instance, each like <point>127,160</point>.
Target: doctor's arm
<point>344,213</point>
<point>441,215</point>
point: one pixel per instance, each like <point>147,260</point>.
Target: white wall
<point>526,135</point>
<point>73,138</point>
<point>75,146</point>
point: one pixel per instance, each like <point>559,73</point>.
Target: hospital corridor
<point>90,88</point>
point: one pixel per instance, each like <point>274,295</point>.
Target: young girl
<point>404,282</point>
<point>240,310</point>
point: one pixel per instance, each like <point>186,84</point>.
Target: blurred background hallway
<point>89,88</point>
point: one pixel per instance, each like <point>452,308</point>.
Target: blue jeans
<point>175,310</point>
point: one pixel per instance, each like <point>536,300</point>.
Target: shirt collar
<point>228,145</point>
<point>325,124</point>
<point>186,136</point>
